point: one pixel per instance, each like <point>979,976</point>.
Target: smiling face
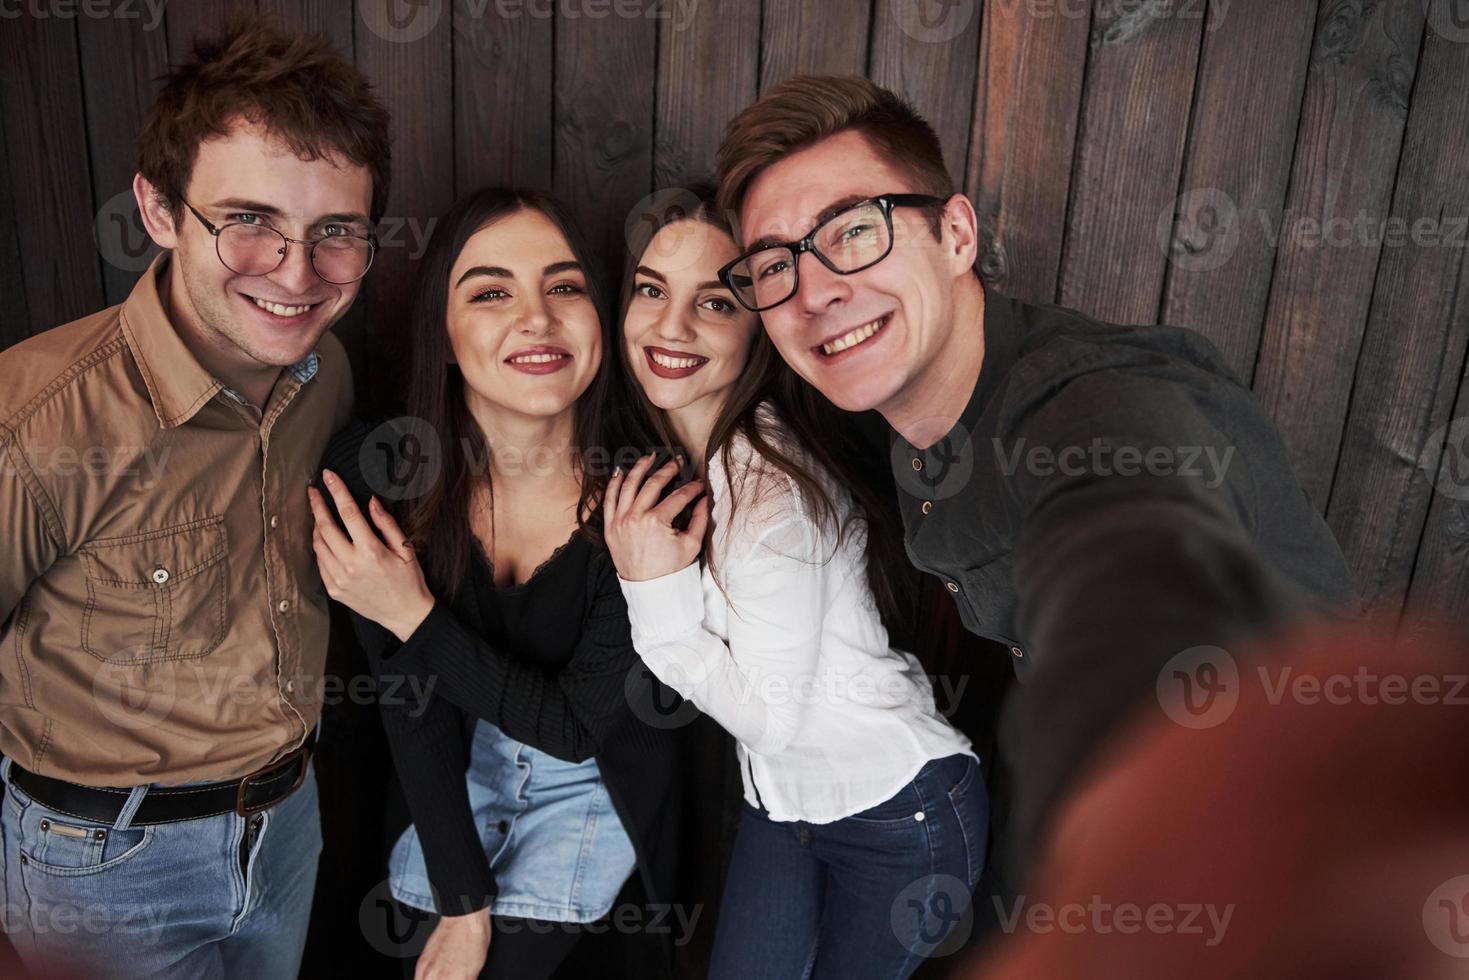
<point>864,339</point>
<point>252,323</point>
<point>686,338</point>
<point>524,331</point>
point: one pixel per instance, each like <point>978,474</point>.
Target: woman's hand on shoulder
<point>639,529</point>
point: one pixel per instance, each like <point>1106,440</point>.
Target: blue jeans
<point>161,901</point>
<point>869,895</point>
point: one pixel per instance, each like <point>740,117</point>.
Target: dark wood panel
<point>1139,86</point>
<point>1362,67</point>
<point>16,322</point>
<point>604,146</point>
<point>329,17</point>
<point>1413,353</point>
<point>1220,252</point>
<point>186,21</point>
<point>1031,69</point>
<point>502,95</point>
<point>1441,573</point>
<point>807,37</point>
<point>933,61</point>
<point>409,62</point>
<point>51,185</point>
<point>122,63</point>
<point>707,60</point>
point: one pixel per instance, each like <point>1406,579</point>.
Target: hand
<point>378,578</point>
<point>639,531</point>
<point>457,948</point>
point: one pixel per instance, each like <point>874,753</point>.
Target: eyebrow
<point>500,272</point>
<point>840,204</point>
<point>655,274</point>
<point>271,211</point>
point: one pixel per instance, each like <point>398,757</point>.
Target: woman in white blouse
<point>865,822</point>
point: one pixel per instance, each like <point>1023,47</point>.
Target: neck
<point>525,450</point>
<point>930,404</point>
<point>216,355</point>
<point>694,424</point>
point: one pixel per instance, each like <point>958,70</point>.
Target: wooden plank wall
<point>1287,178</point>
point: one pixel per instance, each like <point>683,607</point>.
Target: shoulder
<point>761,501</point>
<point>60,362</point>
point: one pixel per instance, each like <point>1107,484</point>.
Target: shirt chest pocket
<point>157,595</point>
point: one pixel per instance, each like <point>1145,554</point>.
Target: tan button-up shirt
<point>162,612</point>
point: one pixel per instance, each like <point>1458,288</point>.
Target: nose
<point>675,324</point>
<point>818,288</point>
<point>534,317</point>
<point>295,274</point>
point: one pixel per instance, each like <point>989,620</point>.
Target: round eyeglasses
<point>256,250</point>
<point>855,238</point>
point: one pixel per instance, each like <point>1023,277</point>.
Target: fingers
<point>699,521</point>
<point>327,529</point>
<point>347,509</point>
<point>631,484</point>
<point>332,573</point>
<point>648,496</point>
<point>392,534</point>
<point>675,502</point>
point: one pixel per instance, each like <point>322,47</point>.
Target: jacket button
<point>160,575</point>
<point>1017,652</point>
<point>927,506</point>
<point>918,464</point>
<point>952,587</point>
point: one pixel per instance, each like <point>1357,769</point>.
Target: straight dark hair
<point>437,519</point>
<point>823,435</point>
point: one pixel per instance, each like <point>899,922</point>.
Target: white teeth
<point>853,338</point>
<point>675,362</point>
<point>280,310</point>
<point>537,358</point>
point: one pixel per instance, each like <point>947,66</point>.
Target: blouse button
<point>952,587</point>
<point>160,575</point>
<point>917,464</point>
<point>927,506</point>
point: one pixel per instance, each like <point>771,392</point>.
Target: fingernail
<point>328,476</point>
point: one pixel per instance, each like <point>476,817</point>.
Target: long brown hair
<point>822,435</point>
<point>436,519</point>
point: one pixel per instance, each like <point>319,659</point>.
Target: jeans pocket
<point>898,810</point>
<point>57,844</point>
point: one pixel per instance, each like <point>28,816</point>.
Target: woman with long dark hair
<point>864,829</point>
<point>535,782</point>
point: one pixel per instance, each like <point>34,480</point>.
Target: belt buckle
<point>295,755</point>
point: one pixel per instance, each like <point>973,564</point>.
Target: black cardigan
<point>551,663</point>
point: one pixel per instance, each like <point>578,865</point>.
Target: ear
<point>157,219</point>
<point>960,227</point>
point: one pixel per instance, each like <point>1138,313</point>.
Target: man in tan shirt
<point>163,619</point>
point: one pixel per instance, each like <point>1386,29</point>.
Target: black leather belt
<point>251,794</point>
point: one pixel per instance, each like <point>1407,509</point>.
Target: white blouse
<point>786,650</point>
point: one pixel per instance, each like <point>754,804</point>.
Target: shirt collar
<point>177,385</point>
<point>1002,328</point>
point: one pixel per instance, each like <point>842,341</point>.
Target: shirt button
<point>927,506</point>
<point>283,605</point>
<point>918,464</point>
<point>160,575</point>
<point>952,587</point>
<point>275,521</point>
<point>1017,652</point>
<point>290,687</point>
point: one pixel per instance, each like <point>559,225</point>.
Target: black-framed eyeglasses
<point>855,238</point>
<point>257,250</point>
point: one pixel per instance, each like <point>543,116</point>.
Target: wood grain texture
<point>184,22</point>
<point>1221,257</point>
<point>1414,349</point>
<point>334,19</point>
<point>502,96</point>
<point>15,316</point>
<point>409,61</point>
<point>929,53</point>
<point>1363,63</point>
<point>122,64</point>
<point>604,145</point>
<point>807,37</point>
<point>1135,114</point>
<point>1026,104</point>
<point>707,61</point>
<point>1440,583</point>
<point>45,133</point>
